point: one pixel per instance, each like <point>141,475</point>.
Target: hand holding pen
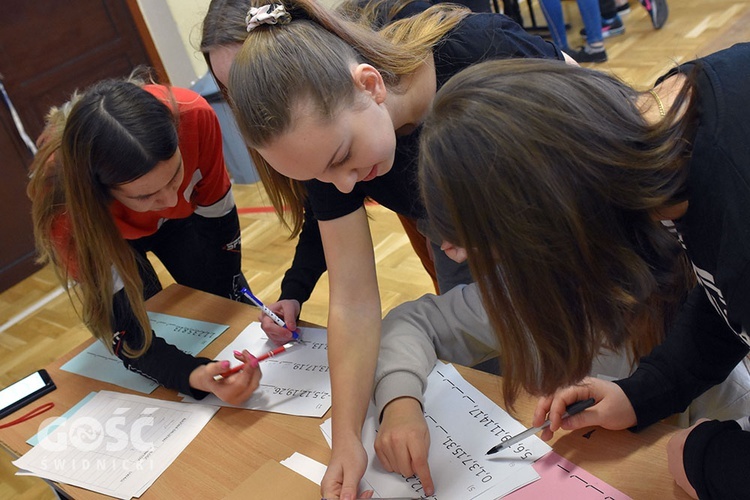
<point>612,410</point>
<point>269,354</point>
<point>235,390</point>
<point>291,309</point>
<point>570,411</point>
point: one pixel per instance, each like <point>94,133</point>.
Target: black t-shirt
<point>710,333</point>
<point>476,38</point>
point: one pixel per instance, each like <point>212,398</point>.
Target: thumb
<point>349,488</point>
<point>289,311</point>
<point>291,324</point>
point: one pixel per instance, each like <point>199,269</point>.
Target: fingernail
<point>225,365</point>
<point>253,361</point>
<point>238,354</point>
<point>429,492</point>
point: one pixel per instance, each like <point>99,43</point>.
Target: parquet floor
<point>694,28</point>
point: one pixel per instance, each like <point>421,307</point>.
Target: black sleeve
<point>699,352</point>
<point>162,362</point>
<point>507,39</point>
<point>482,37</point>
<point>218,249</point>
<point>309,262</point>
<point>715,460</point>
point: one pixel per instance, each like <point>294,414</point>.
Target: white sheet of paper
<point>295,382</point>
<point>306,466</point>
<point>116,444</point>
<point>190,335</point>
<point>463,425</point>
<point>314,470</point>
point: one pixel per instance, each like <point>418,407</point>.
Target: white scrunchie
<point>271,13</point>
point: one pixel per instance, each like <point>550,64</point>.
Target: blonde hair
<point>309,59</point>
<point>111,134</point>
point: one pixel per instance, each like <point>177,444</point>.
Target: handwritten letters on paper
<point>190,335</point>
<point>295,382</point>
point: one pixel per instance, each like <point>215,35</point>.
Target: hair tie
<point>272,13</point>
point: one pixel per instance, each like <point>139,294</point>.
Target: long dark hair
<point>548,175</point>
<point>112,133</point>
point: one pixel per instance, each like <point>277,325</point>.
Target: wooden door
<point>49,48</point>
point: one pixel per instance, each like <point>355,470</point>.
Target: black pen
<point>569,411</point>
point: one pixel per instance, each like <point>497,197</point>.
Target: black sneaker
<point>613,27</point>
<point>658,10</point>
<point>623,9</point>
<point>586,54</point>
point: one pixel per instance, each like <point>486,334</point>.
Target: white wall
<point>188,15</point>
<point>175,29</point>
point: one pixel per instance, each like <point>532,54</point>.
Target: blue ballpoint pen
<point>255,300</point>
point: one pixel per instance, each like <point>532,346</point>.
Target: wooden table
<point>236,442</point>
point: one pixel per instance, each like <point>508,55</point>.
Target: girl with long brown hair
<point>125,169</point>
<point>575,197</point>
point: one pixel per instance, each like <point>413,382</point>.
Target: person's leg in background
<point>593,50</point>
<point>623,7</point>
<point>512,10</point>
<point>591,16</point>
<point>611,23</point>
<point>553,13</point>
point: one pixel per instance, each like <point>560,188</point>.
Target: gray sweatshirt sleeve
<point>453,327</point>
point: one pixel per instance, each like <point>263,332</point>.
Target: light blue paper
<point>34,440</point>
<point>189,335</point>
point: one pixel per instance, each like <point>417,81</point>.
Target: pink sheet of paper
<point>561,479</point>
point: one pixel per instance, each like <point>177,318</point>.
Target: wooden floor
<point>694,28</point>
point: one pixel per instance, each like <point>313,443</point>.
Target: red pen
<point>263,356</point>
